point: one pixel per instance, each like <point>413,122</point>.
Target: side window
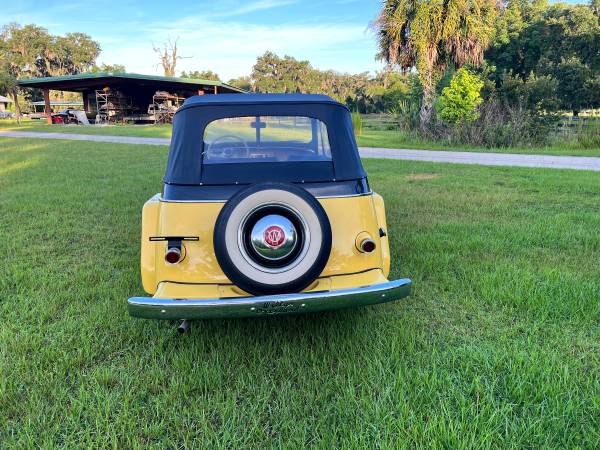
<point>323,140</point>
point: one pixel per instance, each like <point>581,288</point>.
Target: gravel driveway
<point>487,159</point>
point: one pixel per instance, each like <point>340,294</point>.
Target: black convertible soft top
<point>185,168</point>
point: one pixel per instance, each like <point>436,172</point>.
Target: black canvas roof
<point>185,166</point>
<point>255,99</point>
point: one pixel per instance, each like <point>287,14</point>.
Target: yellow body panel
<point>177,290</point>
<point>385,243</point>
<point>199,275</point>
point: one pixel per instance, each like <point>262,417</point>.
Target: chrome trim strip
<point>345,196</point>
<point>160,199</point>
<point>225,201</point>
<point>267,305</point>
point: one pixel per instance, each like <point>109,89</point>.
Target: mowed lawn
<point>498,346</point>
<point>368,138</point>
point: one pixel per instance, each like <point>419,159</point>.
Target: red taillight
<point>367,245</point>
<point>173,255</point>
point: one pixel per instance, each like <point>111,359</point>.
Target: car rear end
<point>273,216</point>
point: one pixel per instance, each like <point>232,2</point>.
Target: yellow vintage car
<point>266,209</point>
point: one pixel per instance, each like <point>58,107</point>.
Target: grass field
<point>115,130</point>
<point>399,139</point>
<point>499,345</point>
<point>369,138</point>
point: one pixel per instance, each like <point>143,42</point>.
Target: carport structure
<point>131,97</point>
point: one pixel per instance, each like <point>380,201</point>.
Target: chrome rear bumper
<point>214,308</point>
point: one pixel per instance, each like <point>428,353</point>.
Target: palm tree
<point>430,35</point>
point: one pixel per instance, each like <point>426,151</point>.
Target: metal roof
<point>63,103</point>
<point>102,77</point>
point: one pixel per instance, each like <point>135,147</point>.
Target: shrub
<point>458,103</point>
<point>406,114</point>
<point>537,94</point>
<point>588,135</point>
<point>357,123</point>
<point>501,125</point>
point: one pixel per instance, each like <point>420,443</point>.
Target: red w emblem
<point>274,236</point>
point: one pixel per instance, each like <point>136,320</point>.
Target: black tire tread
<point>252,286</point>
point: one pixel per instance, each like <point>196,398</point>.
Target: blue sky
<point>225,36</point>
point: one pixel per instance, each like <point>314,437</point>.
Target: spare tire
<point>272,238</point>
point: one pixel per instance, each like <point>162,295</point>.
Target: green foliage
<point>430,35</point>
<point>501,125</point>
<point>540,93</point>
<point>459,101</point>
<point>274,74</point>
<point>360,92</point>
<point>357,123</point>
<point>537,94</point>
<point>201,75</point>
<point>560,41</point>
<point>592,86</point>
<point>9,87</point>
<point>406,114</point>
<point>108,68</point>
<point>30,51</point>
<point>387,89</point>
<point>573,77</point>
<point>588,134</point>
<point>8,83</point>
<point>289,75</point>
<point>346,88</point>
<point>243,82</point>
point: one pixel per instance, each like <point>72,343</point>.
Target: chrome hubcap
<point>274,237</point>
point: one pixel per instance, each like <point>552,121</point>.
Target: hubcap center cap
<point>274,237</point>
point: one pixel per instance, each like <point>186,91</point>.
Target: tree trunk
<point>47,107</point>
<point>15,97</point>
<point>426,112</point>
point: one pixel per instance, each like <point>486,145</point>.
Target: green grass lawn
<point>400,139</point>
<point>499,345</point>
<point>369,138</point>
<point>163,130</point>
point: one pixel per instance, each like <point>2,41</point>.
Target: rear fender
<point>150,213</point>
<point>384,240</point>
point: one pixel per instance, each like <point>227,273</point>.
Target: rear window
<point>265,139</point>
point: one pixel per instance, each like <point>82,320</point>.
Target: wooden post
<point>47,109</point>
<point>85,100</point>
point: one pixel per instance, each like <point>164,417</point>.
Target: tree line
<point>362,92</point>
<point>543,56</point>
<point>551,52</point>
<point>31,51</point>
<point>494,73</point>
<point>527,54</point>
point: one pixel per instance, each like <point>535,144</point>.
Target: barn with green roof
<point>127,97</point>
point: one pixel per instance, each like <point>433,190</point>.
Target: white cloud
<point>225,36</point>
<point>230,48</point>
<point>259,5</point>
